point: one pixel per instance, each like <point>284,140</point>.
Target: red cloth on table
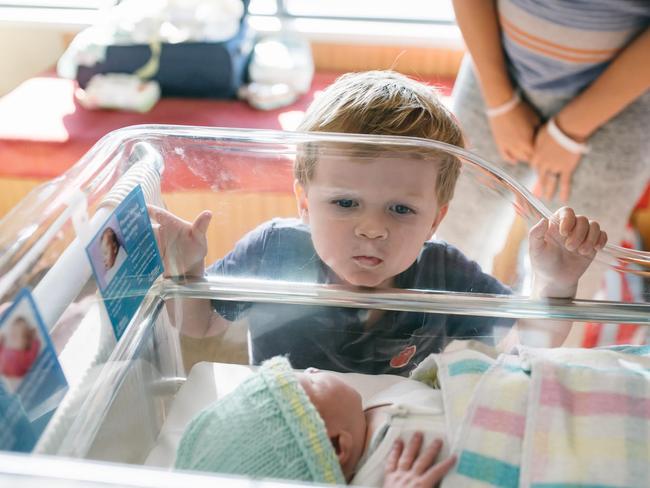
<point>44,131</point>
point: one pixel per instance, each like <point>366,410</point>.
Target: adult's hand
<point>514,133</point>
<point>554,166</point>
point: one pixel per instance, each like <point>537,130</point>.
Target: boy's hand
<point>561,251</point>
<point>183,245</point>
<point>411,468</point>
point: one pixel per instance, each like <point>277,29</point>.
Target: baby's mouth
<point>367,261</point>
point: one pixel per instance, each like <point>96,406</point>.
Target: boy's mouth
<point>367,261</point>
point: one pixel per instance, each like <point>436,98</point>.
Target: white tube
<point>63,282</point>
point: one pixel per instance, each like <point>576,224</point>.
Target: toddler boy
<point>367,221</point>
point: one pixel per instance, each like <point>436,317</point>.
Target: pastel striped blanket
<point>548,418</point>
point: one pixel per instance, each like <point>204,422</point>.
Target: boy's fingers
<point>602,241</point>
<point>202,222</point>
<point>591,241</point>
<point>163,217</point>
<point>395,453</point>
<point>154,211</point>
<point>567,220</point>
<point>537,234</point>
<point>427,457</point>
<point>156,234</point>
<point>410,453</point>
<point>438,471</point>
<point>578,234</point>
<point>538,231</point>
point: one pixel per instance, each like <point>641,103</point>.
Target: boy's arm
<point>560,251</point>
<point>230,346</point>
<point>183,248</point>
<point>195,317</point>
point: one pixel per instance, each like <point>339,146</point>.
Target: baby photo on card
<point>32,383</point>
<point>125,260</point>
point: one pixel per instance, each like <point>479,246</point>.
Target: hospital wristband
<point>504,107</point>
<point>565,141</point>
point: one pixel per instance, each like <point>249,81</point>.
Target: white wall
<point>25,51</point>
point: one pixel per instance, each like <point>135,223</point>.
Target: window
<point>76,4</point>
<point>418,22</point>
<point>407,11</point>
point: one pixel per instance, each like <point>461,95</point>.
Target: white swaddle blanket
<point>549,417</point>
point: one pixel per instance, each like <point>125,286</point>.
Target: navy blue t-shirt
<point>337,338</point>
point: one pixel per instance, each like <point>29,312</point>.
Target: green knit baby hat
<point>265,428</point>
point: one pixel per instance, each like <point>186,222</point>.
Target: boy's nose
<point>371,229</point>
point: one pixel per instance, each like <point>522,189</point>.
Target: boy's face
<point>369,219</point>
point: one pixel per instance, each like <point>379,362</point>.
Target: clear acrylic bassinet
<point>122,392</point>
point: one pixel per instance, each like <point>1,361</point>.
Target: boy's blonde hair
<point>385,103</point>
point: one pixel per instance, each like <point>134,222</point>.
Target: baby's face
<point>109,250</point>
<point>341,409</point>
<point>17,336</point>
<point>369,219</point>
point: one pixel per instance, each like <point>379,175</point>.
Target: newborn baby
<point>307,427</point>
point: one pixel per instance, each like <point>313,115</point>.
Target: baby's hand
<point>561,251</point>
<point>183,245</point>
<point>411,468</point>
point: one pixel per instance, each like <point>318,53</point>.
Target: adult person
<point>556,94</point>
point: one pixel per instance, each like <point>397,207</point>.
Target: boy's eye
<point>402,209</point>
<point>345,203</point>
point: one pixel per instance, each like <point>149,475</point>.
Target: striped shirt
<point>563,45</point>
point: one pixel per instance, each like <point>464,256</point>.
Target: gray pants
<point>606,185</point>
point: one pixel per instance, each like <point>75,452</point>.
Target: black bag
<point>188,69</point>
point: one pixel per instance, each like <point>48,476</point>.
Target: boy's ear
<point>441,215</point>
<point>301,200</point>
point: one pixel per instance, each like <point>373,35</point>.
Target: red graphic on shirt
<point>403,358</point>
